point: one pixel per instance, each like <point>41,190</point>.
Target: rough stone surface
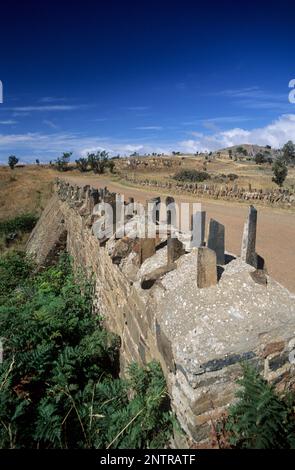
<point>248,253</point>
<point>207,268</point>
<point>199,335</point>
<point>175,249</point>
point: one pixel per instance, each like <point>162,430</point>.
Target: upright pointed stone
<point>206,268</point>
<point>170,210</point>
<point>175,249</point>
<point>248,252</point>
<point>154,209</point>
<point>216,240</point>
<point>198,221</point>
<point>147,248</point>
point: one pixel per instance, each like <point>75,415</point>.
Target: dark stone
<point>259,277</point>
<point>175,249</point>
<point>217,364</point>
<point>171,210</point>
<point>278,361</point>
<point>149,279</point>
<point>165,348</point>
<point>216,240</point>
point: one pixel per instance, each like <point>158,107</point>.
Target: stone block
<point>206,268</point>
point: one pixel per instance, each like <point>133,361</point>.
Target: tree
<point>12,161</point>
<point>98,161</point>
<point>37,161</point>
<point>82,164</point>
<point>289,152</point>
<point>230,154</point>
<point>242,150</point>
<point>259,158</point>
<point>280,172</point>
<point>63,161</point>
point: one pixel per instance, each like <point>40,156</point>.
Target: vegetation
<point>289,153</point>
<point>58,381</point>
<point>261,419</point>
<point>63,161</point>
<point>12,161</point>
<point>280,172</point>
<point>259,158</point>
<point>20,223</point>
<point>242,151</point>
<point>191,175</point>
<point>98,161</point>
<point>82,164</point>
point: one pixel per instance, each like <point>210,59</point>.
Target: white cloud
<point>275,134</point>
<point>8,122</point>
<point>149,128</point>
<point>51,145</point>
<point>53,107</point>
<point>50,124</point>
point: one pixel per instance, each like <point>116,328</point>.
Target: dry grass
<point>259,176</point>
<point>24,190</point>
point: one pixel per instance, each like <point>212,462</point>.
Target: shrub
<point>82,164</point>
<point>261,419</point>
<point>12,161</point>
<point>191,175</point>
<point>59,385</point>
<point>232,176</point>
<point>280,172</point>
<point>260,158</point>
<point>98,161</point>
<point>63,161</point>
<point>21,223</point>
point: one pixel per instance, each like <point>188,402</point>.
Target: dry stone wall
<point>196,310</point>
<point>277,197</point>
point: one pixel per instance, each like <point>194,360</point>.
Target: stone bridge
<point>175,296</point>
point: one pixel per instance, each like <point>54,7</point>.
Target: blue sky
<point>144,76</point>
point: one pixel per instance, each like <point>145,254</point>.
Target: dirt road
<point>275,235</point>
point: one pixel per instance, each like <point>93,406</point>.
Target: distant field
<point>259,176</point>
<point>24,190</point>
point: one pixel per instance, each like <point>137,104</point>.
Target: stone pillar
<point>248,253</point>
<point>206,268</point>
<point>130,208</point>
<point>198,221</point>
<point>170,210</point>
<point>155,209</point>
<point>216,240</point>
<point>147,248</point>
<point>175,249</point>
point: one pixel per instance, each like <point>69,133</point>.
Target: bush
<point>82,164</point>
<point>98,161</point>
<point>59,385</point>
<point>21,223</point>
<point>63,161</point>
<point>280,172</point>
<point>260,158</point>
<point>261,419</point>
<point>232,176</point>
<point>191,175</point>
<point>12,161</point>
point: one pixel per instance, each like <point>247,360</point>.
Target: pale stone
<point>207,268</point>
